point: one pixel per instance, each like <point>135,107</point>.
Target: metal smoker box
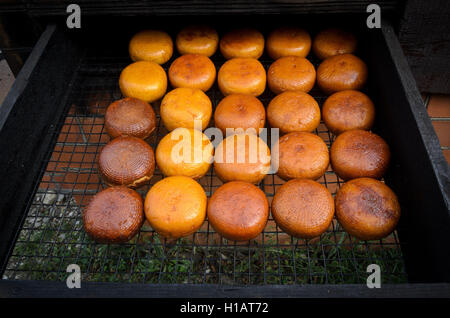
<point>51,130</point>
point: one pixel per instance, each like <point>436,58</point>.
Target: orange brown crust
<point>130,117</point>
<point>341,72</point>
<point>242,43</point>
<point>291,73</point>
<point>114,215</point>
<point>151,45</point>
<point>302,155</point>
<point>182,106</point>
<point>303,208</point>
<point>127,161</point>
<point>197,39</point>
<point>144,80</point>
<point>175,207</point>
<point>359,153</point>
<point>238,211</point>
<point>193,167</point>
<point>240,111</point>
<point>193,71</point>
<point>288,41</point>
<point>293,111</point>
<point>348,110</point>
<point>242,76</point>
<point>333,42</point>
<point>367,208</point>
<point>242,169</point>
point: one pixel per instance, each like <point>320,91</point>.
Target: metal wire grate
<point>53,237</point>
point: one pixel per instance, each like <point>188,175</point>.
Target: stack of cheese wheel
<point>177,205</point>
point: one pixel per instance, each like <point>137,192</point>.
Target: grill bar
<point>53,237</point>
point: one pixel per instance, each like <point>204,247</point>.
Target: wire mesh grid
<point>52,236</point>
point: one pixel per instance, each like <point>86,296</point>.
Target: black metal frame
<point>44,289</point>
<point>26,125</point>
<point>203,7</point>
<point>391,82</point>
<point>421,175</point>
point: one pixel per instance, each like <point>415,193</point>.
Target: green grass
<point>54,238</point>
<point>150,261</point>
